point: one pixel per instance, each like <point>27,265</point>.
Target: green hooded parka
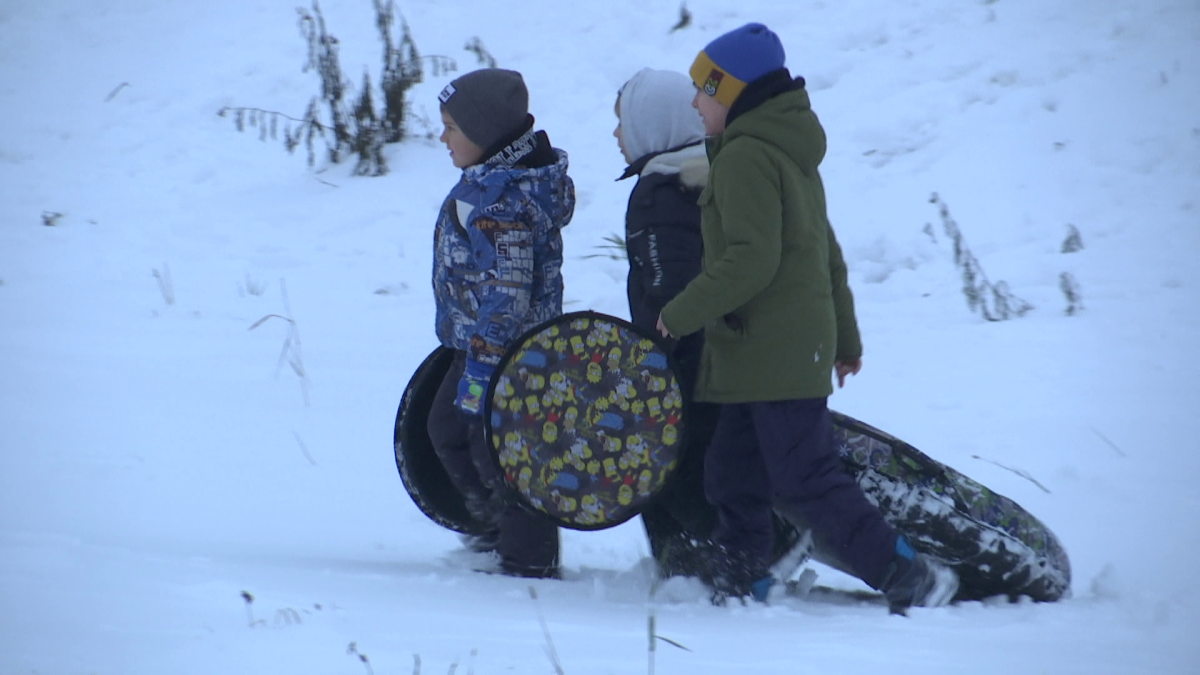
<point>773,300</point>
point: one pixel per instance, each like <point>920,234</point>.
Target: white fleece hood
<point>657,114</point>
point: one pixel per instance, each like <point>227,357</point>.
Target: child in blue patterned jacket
<point>496,273</point>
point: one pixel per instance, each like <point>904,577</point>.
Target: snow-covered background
<point>155,464</point>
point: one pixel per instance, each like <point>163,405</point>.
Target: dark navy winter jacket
<point>662,235</point>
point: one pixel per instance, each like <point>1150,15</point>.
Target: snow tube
<point>995,546</point>
<point>566,466</point>
<point>421,471</point>
<point>586,417</point>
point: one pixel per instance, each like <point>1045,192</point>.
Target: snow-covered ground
<point>155,463</point>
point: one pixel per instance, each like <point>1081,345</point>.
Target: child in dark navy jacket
<point>496,273</point>
<point>662,139</point>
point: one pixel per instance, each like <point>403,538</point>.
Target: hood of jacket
<point>656,113</point>
<point>786,121</point>
<point>548,186</point>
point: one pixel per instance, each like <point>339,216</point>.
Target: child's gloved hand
<point>472,387</point>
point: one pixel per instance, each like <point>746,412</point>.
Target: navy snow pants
<point>780,455</point>
<point>527,543</point>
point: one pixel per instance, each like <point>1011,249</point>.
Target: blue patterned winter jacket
<point>498,255</point>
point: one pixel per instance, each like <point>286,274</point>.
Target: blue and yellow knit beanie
<point>734,60</point>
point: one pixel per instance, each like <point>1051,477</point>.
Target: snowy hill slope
<point>155,463</point>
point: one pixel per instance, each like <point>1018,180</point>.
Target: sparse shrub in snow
<point>348,129</point>
<point>614,249</point>
<point>485,58</point>
<point>164,284</point>
<point>685,18</point>
<point>248,598</point>
<point>993,301</point>
<point>252,286</point>
<point>1070,289</point>
<point>367,142</point>
<point>551,652</point>
<point>290,353</point>
<point>352,650</point>
<point>1073,242</point>
<point>1066,281</point>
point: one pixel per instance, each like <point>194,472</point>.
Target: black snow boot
<point>736,574</point>
<point>514,568</point>
<point>482,543</point>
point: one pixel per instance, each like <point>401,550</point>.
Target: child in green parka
<point>778,320</point>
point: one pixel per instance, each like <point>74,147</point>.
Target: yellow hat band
<point>714,81</point>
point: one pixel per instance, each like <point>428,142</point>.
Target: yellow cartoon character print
<point>504,391</point>
<point>638,446</point>
<point>614,359</point>
<point>610,467</point>
<point>577,346</point>
<point>565,503</point>
<point>622,393</point>
<point>580,449</point>
<point>594,372</point>
<point>531,404</point>
<point>562,387</point>
<point>560,346</point>
<point>643,483</point>
<point>673,399</point>
<point>654,406</point>
<point>546,337</point>
<point>516,450</point>
<point>533,381</point>
<point>590,511</point>
<point>625,495</point>
<point>612,445</point>
<point>670,435</point>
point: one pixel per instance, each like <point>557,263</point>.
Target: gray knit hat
<point>488,104</point>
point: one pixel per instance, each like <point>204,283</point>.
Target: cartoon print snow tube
<point>586,418</point>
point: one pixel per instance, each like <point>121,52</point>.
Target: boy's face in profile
<point>712,111</point>
<point>617,134</point>
<point>463,151</point>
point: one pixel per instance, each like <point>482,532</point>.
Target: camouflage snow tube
<point>995,545</point>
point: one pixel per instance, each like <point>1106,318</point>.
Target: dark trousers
<point>527,542</point>
<point>780,455</point>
